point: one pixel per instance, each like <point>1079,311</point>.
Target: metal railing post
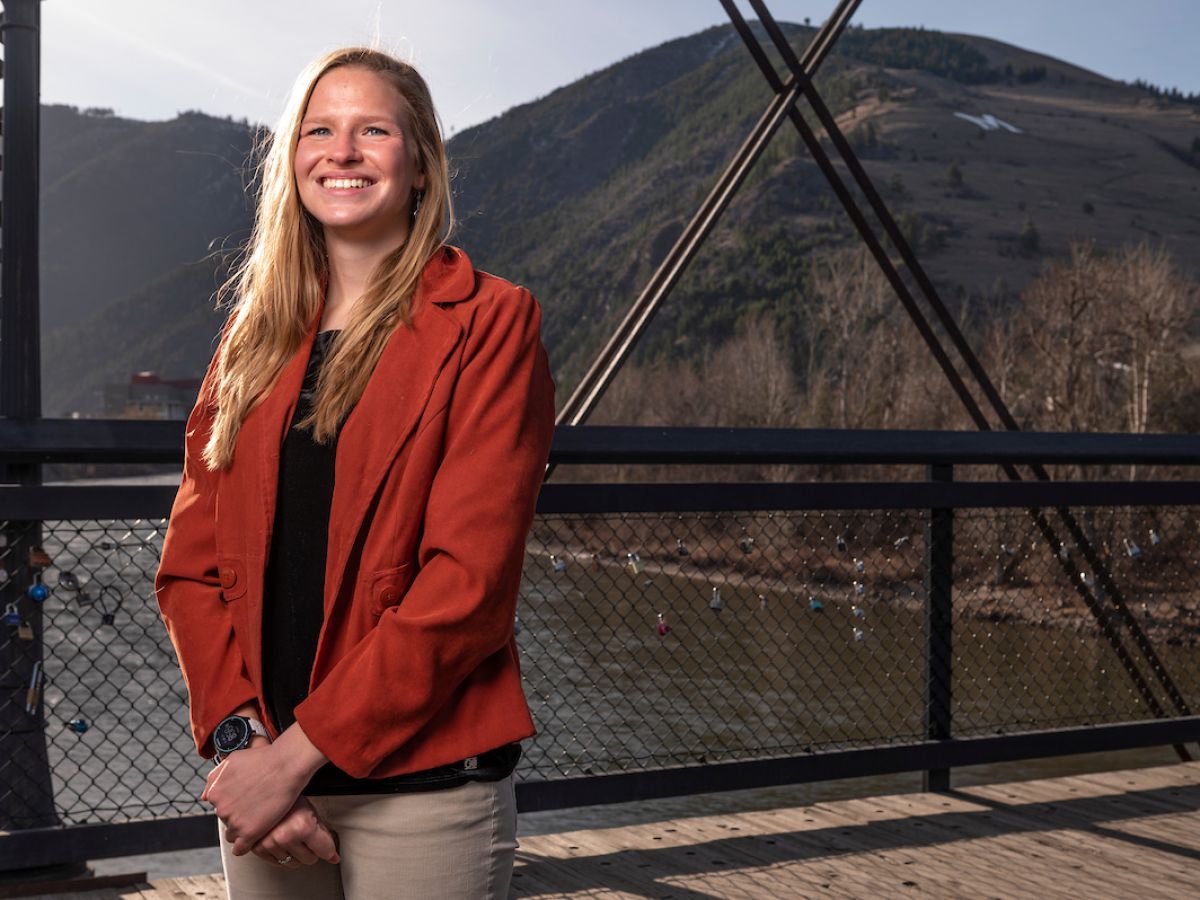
<point>939,628</point>
<point>20,357</point>
<point>26,786</point>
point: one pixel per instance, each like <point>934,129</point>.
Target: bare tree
<point>852,304</point>
<point>1061,320</point>
<point>868,366</point>
<point>1101,333</point>
<point>749,378</point>
<point>1154,312</point>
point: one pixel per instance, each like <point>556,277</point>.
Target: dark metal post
<point>939,627</point>
<point>20,359</point>
<point>26,788</point>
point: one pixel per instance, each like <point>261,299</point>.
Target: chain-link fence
<point>115,708</point>
<point>795,631</point>
<point>652,640</point>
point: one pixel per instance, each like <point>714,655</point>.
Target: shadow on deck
<point>1113,834</point>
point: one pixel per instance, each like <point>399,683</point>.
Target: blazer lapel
<point>392,404</point>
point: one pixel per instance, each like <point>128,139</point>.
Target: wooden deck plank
<point>1156,792</point>
<point>583,878</point>
<point>884,859</point>
<point>1020,859</point>
<point>1015,857</point>
<point>1129,833</point>
<point>687,849</point>
<point>1080,825</point>
<point>1093,802</point>
<point>809,856</point>
<point>1166,814</point>
<point>779,880</point>
<point>753,858</point>
<point>1060,829</point>
<point>1171,832</point>
<point>1175,774</point>
<point>909,822</point>
<point>812,848</point>
<point>876,871</point>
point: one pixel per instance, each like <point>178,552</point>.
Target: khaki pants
<point>454,844</point>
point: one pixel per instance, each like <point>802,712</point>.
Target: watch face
<point>232,734</point>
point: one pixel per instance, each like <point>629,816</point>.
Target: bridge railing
<point>676,637</point>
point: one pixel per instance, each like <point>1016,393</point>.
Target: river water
<point>758,671</point>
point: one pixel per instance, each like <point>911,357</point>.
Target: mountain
<point>630,157</point>
<point>130,214</point>
<point>990,156</point>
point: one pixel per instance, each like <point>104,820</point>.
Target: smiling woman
<point>340,572</point>
<point>356,169</point>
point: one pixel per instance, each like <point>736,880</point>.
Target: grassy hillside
<point>129,209</point>
<point>580,194</point>
<point>1093,158</point>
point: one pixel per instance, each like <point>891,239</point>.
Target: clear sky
<point>149,59</point>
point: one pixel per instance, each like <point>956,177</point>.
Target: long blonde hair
<point>275,290</point>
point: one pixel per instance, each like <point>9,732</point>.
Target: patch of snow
<point>988,122</point>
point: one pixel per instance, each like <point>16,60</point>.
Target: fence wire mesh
<point>648,640</point>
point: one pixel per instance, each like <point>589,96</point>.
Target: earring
<point>418,195</point>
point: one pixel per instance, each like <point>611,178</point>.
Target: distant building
<point>147,396</point>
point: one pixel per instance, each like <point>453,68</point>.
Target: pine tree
<point>954,176</point>
<point>1030,240</point>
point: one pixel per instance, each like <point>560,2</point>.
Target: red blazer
<point>437,474</point>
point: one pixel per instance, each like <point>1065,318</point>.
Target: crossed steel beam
<point>608,361</point>
<point>786,94</point>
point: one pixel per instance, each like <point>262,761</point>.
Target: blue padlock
<point>11,616</point>
<point>38,592</point>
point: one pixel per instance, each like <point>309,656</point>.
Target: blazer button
<point>228,577</point>
<point>389,595</point>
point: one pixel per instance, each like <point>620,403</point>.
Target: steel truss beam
<point>598,377</point>
<point>1104,579</point>
<point>783,105</point>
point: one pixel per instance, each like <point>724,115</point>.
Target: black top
<point>293,600</point>
<point>294,590</point>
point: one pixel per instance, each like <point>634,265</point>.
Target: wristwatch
<point>234,733</point>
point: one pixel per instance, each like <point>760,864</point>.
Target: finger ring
<point>285,860</point>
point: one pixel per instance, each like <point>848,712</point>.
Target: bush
<point>866,137</point>
<point>954,176</point>
<point>1030,74</point>
<point>911,48</point>
<point>1029,240</point>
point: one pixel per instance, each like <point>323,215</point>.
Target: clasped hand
<point>263,812</point>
